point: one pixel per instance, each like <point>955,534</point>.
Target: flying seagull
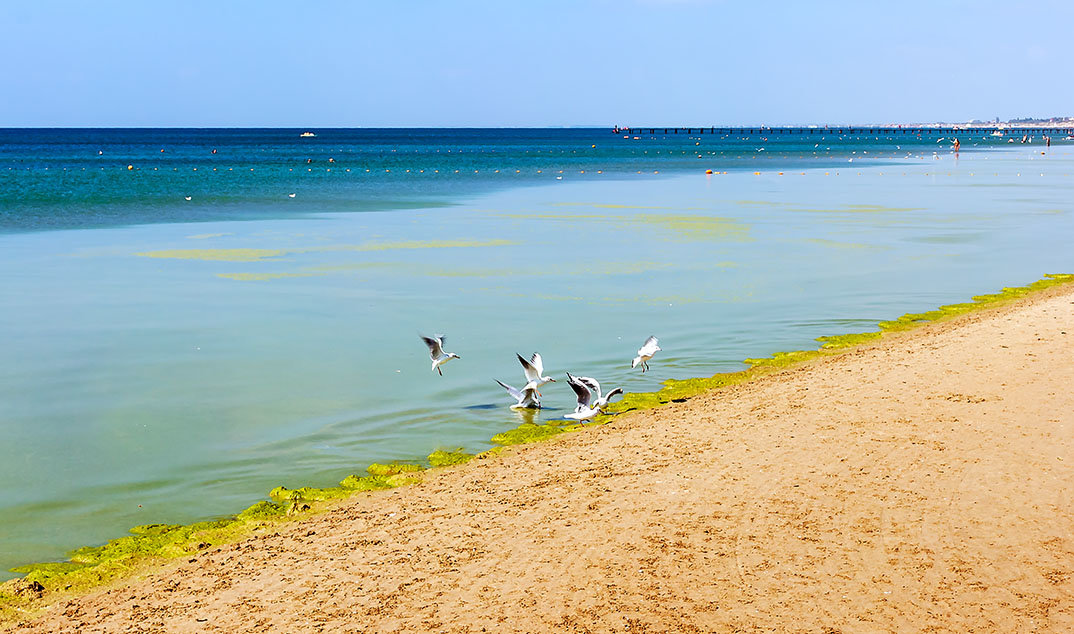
<point>646,352</point>
<point>527,397</point>
<point>534,369</point>
<point>583,411</point>
<point>436,352</point>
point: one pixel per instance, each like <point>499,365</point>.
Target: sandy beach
<point>918,484</point>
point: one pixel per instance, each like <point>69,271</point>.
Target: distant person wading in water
<point>957,145</point>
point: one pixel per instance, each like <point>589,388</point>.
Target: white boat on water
<point>997,133</point>
<point>307,134</point>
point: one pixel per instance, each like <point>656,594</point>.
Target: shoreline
<point>288,502</point>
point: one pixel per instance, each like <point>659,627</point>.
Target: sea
<point>191,317</point>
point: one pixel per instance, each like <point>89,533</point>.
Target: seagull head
<point>453,355</point>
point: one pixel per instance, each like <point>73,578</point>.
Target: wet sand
<point>919,484</point>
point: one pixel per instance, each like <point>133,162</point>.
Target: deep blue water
<point>79,178</point>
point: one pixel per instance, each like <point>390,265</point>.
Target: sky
<point>512,63</point>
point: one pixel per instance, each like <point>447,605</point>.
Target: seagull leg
<point>439,371</point>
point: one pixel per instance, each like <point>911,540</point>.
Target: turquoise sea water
<point>169,360</point>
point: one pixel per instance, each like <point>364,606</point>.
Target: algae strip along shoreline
<point>151,545</point>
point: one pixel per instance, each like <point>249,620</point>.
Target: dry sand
<point>921,484</point>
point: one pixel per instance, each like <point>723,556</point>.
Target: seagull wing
<point>436,346</point>
<point>580,389</point>
<point>532,374</point>
<point>591,383</point>
<point>515,393</point>
<point>649,347</point>
<point>608,397</point>
<point>538,363</point>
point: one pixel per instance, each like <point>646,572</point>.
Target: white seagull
<point>646,352</point>
<point>527,397</point>
<point>583,411</point>
<point>594,386</point>
<point>534,369</point>
<point>436,351</point>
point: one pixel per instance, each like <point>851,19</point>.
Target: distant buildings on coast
<point>1025,122</point>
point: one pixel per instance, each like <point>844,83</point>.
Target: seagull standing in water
<point>534,369</point>
<point>436,351</point>
<point>646,352</point>
<point>527,397</point>
<point>594,386</point>
<point>583,411</point>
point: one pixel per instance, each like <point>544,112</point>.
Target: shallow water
<point>174,371</point>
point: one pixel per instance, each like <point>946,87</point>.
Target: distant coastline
<point>1053,123</point>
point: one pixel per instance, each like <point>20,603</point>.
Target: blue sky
<point>515,63</point>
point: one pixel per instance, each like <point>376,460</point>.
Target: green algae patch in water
<point>260,277</point>
<point>857,209</point>
<point>217,255</point>
<point>419,244</point>
<point>206,236</point>
<point>836,244</point>
<point>257,255</point>
<point>679,227</point>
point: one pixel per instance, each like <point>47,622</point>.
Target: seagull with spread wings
<point>534,369</point>
<point>527,397</point>
<point>583,411</point>
<point>646,352</point>
<point>602,400</point>
<point>436,352</point>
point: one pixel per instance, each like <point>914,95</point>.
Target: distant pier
<point>847,130</point>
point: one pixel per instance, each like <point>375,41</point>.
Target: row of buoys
<point>707,171</point>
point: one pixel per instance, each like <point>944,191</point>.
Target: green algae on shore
<point>441,458</point>
<point>151,544</point>
<point>528,432</point>
<point>675,390</point>
<point>92,566</point>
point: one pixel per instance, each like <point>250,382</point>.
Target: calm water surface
<point>169,360</point>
